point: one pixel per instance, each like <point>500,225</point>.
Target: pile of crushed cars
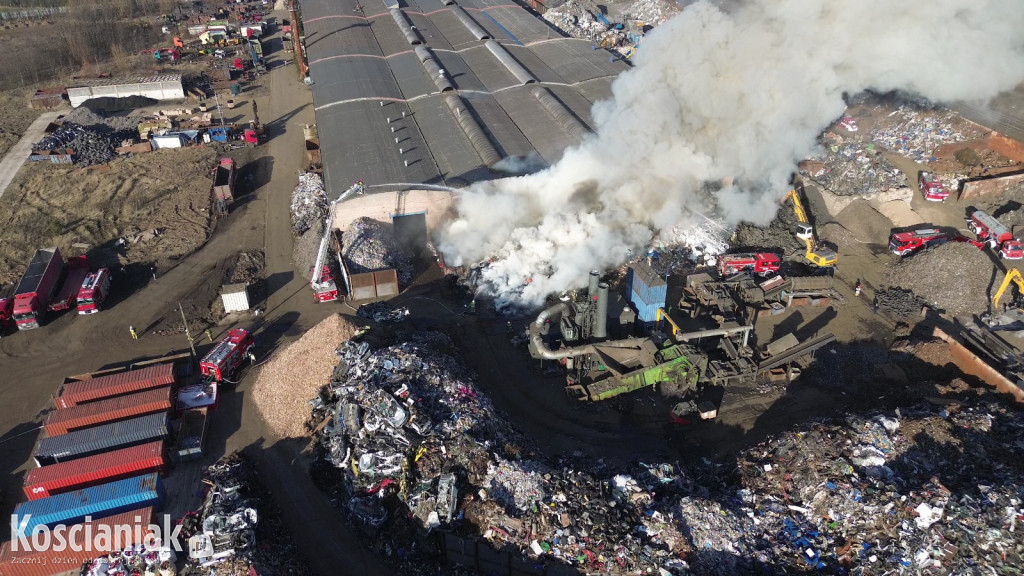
<point>135,560</point>
<point>408,446</point>
<point>231,524</point>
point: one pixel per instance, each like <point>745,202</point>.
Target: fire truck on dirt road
<point>93,291</point>
<point>762,264</point>
<point>904,243</point>
<point>224,361</point>
<point>931,187</point>
<point>996,235</point>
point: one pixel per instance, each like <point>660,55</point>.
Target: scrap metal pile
<point>159,561</point>
<point>230,521</point>
<point>309,204</point>
<point>93,144</point>
<point>955,277</point>
<point>369,246</point>
<point>916,133</point>
<point>850,167</point>
<point>899,303</point>
<point>411,445</point>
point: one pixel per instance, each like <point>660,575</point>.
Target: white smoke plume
<point>717,94</point>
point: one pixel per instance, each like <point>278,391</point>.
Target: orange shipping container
<point>92,470</point>
<point>75,393</point>
<point>117,408</point>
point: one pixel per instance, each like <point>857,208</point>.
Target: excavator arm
<point>816,254</point>
<point>1012,276</point>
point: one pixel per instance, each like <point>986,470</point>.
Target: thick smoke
<point>734,96</point>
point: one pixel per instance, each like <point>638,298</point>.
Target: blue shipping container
<point>643,281</point>
<point>99,439</point>
<point>97,501</point>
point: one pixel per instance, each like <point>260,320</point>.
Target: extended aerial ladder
<point>325,289</point>
<point>1012,276</point>
<point>817,254</point>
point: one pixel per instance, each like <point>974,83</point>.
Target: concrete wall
<point>998,185</point>
<point>383,206</point>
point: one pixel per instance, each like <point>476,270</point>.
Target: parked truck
<point>931,187</point>
<point>77,269</point>
<point>226,358</point>
<point>761,264</point>
<point>36,288</point>
<point>93,292</point>
<point>224,180</point>
<point>904,243</point>
<point>998,237</point>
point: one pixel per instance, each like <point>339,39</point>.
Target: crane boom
<point>324,287</point>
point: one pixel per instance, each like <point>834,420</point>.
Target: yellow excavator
<point>1012,276</point>
<point>817,254</point>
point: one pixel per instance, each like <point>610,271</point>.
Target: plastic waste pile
<point>916,133</point>
<point>850,167</point>
<point>309,204</point>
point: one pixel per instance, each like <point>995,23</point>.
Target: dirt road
<point>18,154</point>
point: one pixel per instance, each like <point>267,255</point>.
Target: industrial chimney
<point>601,323</point>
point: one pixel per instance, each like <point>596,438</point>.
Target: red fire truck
<point>223,362</point>
<point>904,243</point>
<point>94,291</point>
<point>931,187</point>
<point>996,234</point>
<point>762,264</point>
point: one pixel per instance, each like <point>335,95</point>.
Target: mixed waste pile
<point>134,560</point>
<point>849,167</point>
<point>410,440</point>
<point>369,246</point>
<point>576,21</point>
<point>93,144</point>
<point>955,277</point>
<point>309,204</point>
<point>246,268</point>
<point>915,133</point>
<point>232,526</point>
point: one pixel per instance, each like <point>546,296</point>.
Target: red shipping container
<point>117,408</point>
<point>84,472</point>
<point>49,563</point>
<point>75,393</point>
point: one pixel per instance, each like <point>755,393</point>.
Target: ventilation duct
<point>481,143</point>
<point>517,69</point>
<point>562,115</point>
<point>469,23</point>
<point>434,70</point>
<point>403,23</point>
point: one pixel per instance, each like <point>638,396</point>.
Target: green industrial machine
<point>672,369</point>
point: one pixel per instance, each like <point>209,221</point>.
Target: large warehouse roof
<point>430,91</point>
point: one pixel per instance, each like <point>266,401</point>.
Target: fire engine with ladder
<point>223,362</point>
<point>325,289</point>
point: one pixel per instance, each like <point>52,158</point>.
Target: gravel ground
<point>955,277</point>
<point>864,222</point>
<point>297,373</point>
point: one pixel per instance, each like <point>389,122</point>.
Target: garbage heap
<point>231,524</point>
<point>309,204</point>
<point>409,445</point>
<point>916,132</point>
<point>91,145</point>
<point>370,245</point>
<point>847,167</point>
<point>135,560</point>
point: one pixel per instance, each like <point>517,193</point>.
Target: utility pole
<point>188,334</point>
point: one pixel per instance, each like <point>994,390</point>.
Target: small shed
<point>235,297</point>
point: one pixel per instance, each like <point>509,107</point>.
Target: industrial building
<point>439,92</point>
<point>157,87</point>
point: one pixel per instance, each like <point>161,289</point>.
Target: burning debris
<point>369,246</point>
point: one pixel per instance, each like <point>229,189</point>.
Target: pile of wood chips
<point>294,375</point>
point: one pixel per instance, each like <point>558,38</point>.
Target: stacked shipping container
<point>117,408</point>
<point>646,291</point>
<point>106,467</point>
<point>103,500</point>
<point>93,389</point>
<point>99,439</point>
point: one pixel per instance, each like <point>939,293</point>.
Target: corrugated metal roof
<point>93,82</point>
<point>356,140</point>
